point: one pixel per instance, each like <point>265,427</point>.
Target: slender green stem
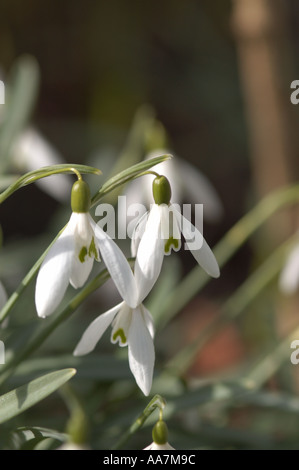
<point>77,173</point>
<point>226,248</point>
<point>234,306</point>
<point>154,173</point>
<point>156,402</point>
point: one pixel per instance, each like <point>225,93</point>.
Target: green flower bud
<point>160,433</point>
<point>161,190</point>
<point>80,197</point>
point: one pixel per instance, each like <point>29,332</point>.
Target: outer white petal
<point>53,277</point>
<point>149,321</point>
<point>118,267</point>
<point>141,352</point>
<point>289,278</point>
<point>204,255</point>
<point>150,254</point>
<point>94,332</point>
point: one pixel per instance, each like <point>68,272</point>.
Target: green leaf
<point>15,402</point>
<point>26,438</point>
<point>45,171</point>
<point>124,176</point>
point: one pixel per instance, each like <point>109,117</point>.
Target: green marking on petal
<point>171,242</point>
<point>83,253</point>
<point>120,334</point>
<point>93,252</point>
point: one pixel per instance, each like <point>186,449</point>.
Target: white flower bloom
<point>132,326</point>
<point>69,260</point>
<point>154,446</point>
<point>289,277</point>
<point>160,232</point>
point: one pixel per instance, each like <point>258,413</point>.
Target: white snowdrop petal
<point>118,267</point>
<point>202,252</point>
<point>149,321</point>
<point>95,331</point>
<point>141,352</point>
<point>53,277</point>
<point>150,254</point>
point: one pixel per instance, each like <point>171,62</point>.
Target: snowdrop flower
<point>289,277</point>
<point>187,182</point>
<point>32,151</point>
<point>71,257</point>
<point>160,437</point>
<point>132,326</point>
<point>158,232</point>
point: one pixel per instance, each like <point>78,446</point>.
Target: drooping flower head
<point>132,326</point>
<point>71,257</point>
<point>160,231</point>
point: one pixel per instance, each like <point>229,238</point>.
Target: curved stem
<point>156,402</point>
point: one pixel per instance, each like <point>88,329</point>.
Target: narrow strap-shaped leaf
<point>45,171</point>
<point>16,401</point>
<point>127,175</point>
